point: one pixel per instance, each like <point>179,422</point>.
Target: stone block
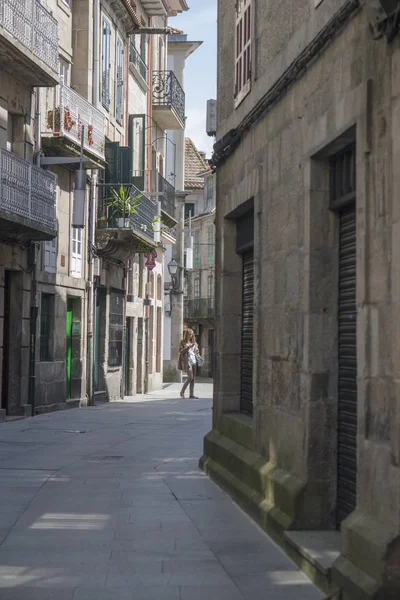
<point>378,403</point>
<point>293,278</point>
<point>286,450</point>
<point>364,541</point>
<point>379,498</point>
<point>285,385</point>
<point>229,365</point>
<point>230,334</point>
<point>395,424</point>
<point>321,439</point>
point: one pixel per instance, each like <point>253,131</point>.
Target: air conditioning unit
<point>211,121</point>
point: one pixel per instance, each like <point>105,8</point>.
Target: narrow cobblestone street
<point>108,503</point>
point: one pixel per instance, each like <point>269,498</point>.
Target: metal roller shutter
<point>246,392</point>
<point>347,375</point>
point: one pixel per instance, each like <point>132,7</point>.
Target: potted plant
<point>102,222</point>
<point>121,205</point>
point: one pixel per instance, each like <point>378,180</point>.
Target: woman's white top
<point>192,356</point>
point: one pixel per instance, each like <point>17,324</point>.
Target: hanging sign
<point>151,260</point>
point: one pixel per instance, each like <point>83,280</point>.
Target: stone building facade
<point>306,419</point>
<point>77,290</point>
<point>200,280</point>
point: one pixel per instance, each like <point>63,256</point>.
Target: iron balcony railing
<point>66,112</point>
<point>158,187</point>
<point>27,190</point>
<point>200,308</point>
<point>138,62</point>
<point>118,213</point>
<point>168,92</point>
<point>32,25</point>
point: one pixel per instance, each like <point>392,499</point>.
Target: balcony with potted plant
<point>66,115</point>
<point>127,222</point>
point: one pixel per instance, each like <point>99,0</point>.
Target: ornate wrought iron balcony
<point>123,231</point>
<point>168,100</point>
<point>200,308</point>
<point>154,183</point>
<point>28,42</point>
<point>27,199</point>
<point>137,61</point>
<point>65,111</point>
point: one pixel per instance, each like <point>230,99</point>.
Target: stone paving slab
<point>108,503</point>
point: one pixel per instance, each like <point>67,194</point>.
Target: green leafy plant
<point>154,222</point>
<point>121,205</point>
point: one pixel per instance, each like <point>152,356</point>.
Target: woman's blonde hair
<point>186,335</point>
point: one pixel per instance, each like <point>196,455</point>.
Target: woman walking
<point>188,360</point>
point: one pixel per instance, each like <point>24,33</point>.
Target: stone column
<point>178,254</point>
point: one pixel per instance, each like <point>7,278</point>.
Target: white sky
<point>200,24</point>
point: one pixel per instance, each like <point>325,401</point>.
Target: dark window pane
<point>116,335</point>
<point>46,326</point>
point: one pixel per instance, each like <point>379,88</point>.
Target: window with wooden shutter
<point>243,49</point>
<point>106,64</point>
<point>196,288</point>
<point>76,252</point>
<point>196,249</point>
<point>211,244</point>
<point>120,83</point>
<point>50,256</point>
<point>210,291</point>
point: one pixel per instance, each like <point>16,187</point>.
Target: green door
<point>69,346</point>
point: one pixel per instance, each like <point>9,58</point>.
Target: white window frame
<point>65,71</point>
<point>10,132</point>
<point>50,256</point>
<point>76,252</point>
<point>243,49</point>
<point>196,288</point>
<point>106,64</point>
<point>210,291</point>
<point>119,81</point>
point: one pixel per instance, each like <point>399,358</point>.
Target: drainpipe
<point>34,252</point>
<point>34,310</point>
<point>92,296</point>
<point>90,285</point>
<point>96,52</point>
<point>125,333</point>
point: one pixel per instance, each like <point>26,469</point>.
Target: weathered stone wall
<point>350,93</point>
<point>281,30</point>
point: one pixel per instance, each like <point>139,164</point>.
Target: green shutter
<point>137,177</point>
<point>124,164</point>
<point>113,168</point>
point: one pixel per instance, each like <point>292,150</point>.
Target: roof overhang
<point>162,8</point>
<point>186,46</point>
<point>154,8</point>
<point>124,11</point>
<point>176,6</point>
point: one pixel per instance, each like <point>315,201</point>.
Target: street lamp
<point>173,269</point>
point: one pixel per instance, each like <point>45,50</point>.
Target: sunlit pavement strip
<point>108,503</point>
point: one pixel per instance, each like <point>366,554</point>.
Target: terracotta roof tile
<point>175,31</point>
<point>195,163</point>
